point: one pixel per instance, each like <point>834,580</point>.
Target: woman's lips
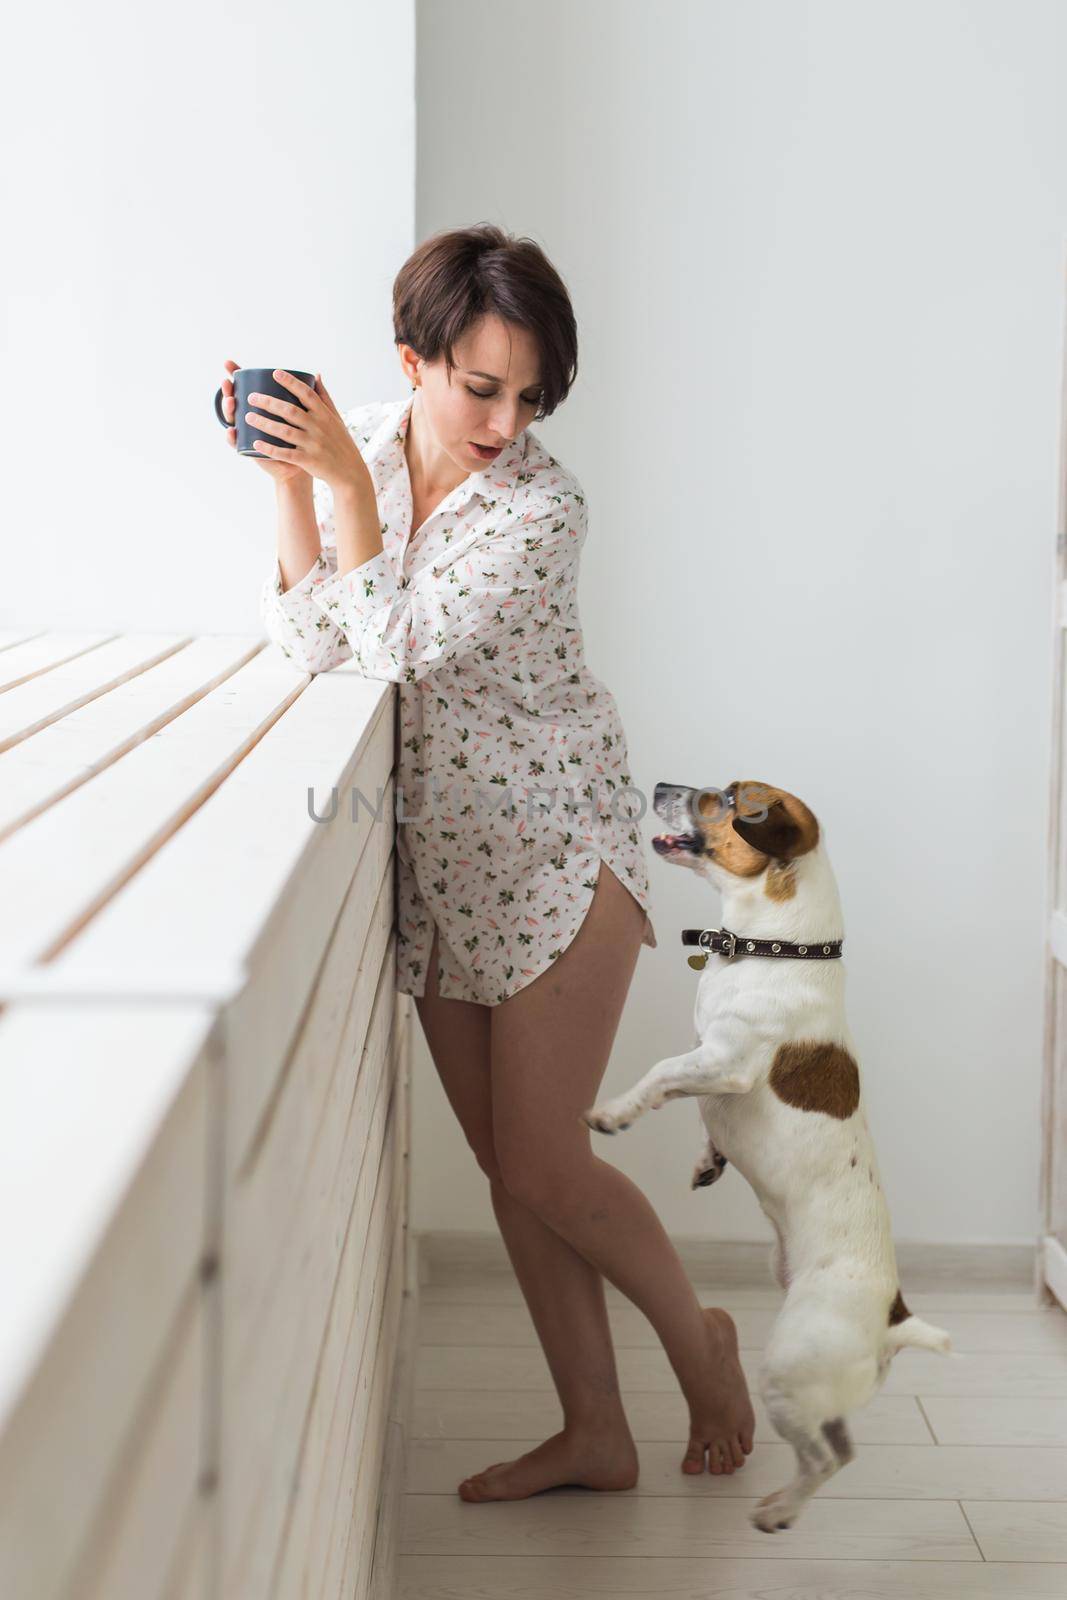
<point>487,452</point>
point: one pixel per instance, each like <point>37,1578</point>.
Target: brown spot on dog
<point>852,1163</point>
<point>816,1077</point>
<point>898,1311</point>
<point>781,880</point>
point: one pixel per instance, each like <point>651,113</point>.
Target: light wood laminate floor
<point>959,1486</point>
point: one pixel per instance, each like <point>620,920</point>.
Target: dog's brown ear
<point>777,835</point>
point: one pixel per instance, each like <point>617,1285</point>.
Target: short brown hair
<point>454,278</point>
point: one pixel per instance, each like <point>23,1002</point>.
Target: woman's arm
<point>296,626</point>
<point>507,584</point>
<point>307,553</point>
<point>298,534</point>
<point>306,543</point>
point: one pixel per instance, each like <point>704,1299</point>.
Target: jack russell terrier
<point>775,1069</point>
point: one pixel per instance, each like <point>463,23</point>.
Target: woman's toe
<point>475,1487</point>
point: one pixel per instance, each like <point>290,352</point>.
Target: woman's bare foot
<point>721,1419</point>
<point>598,1458</point>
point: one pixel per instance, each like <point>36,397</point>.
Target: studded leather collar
<point>725,943</point>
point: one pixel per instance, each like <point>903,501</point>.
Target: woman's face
<point>493,394</point>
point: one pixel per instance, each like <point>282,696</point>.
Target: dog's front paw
<point>612,1117</point>
<point>775,1512</point>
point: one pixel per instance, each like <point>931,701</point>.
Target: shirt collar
<point>496,482</point>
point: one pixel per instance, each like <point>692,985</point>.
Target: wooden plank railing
<point>204,1121</point>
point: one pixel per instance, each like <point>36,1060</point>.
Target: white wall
<point>182,186</point>
<point>817,255</point>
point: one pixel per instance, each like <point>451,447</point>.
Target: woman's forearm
<point>358,529</point>
<point>355,518</point>
<point>299,545</point>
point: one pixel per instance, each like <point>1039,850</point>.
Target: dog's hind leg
<point>711,1164</point>
<point>839,1440</point>
<point>819,1456</point>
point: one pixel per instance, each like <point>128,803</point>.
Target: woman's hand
<point>321,443</point>
<point>280,471</point>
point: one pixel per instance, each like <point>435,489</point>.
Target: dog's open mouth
<point>666,844</point>
<point>671,801</point>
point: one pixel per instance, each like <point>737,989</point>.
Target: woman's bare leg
<point>550,1047</point>
<point>563,1291</point>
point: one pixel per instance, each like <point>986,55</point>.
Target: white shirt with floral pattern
<point>474,616</point>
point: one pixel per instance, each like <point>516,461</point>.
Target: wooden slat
<point>62,867</point>
<point>192,1575</point>
<point>653,1527</point>
<point>33,705</point>
<point>35,773</point>
<point>103,1217</point>
<point>265,1018</point>
<point>501,1413</point>
<point>753,1577</point>
<point>13,636</point>
<point>1017,1532</point>
<point>366,1553</point>
<point>1019,1332</point>
<point>298,1136</point>
<point>878,1472</point>
<point>343,1438</point>
<point>991,1422</point>
<point>370,1567</point>
<point>138,1536</point>
<point>268,1384</point>
<point>273,900</point>
<point>43,651</point>
<point>646,1368</point>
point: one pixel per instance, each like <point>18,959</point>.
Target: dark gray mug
<point>259,380</point>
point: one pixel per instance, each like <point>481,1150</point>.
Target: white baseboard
<point>451,1257</point>
<point>1054,1262</point>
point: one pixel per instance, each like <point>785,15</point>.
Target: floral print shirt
<point>513,779</point>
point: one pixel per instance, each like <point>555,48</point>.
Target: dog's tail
<point>919,1335</point>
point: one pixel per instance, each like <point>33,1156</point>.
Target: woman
<point>439,546</point>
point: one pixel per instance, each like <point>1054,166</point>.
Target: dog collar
<point>725,943</point>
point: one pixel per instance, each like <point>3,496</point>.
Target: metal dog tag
<point>696,962</point>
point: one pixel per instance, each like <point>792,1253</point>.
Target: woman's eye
<point>487,394</point>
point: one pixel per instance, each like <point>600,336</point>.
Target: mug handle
<point>219,413</point>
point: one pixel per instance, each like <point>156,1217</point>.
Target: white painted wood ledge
<point>208,1281</point>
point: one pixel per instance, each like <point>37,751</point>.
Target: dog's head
<point>737,832</point>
